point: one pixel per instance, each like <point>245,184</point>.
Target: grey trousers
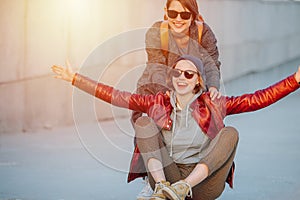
<point>219,159</point>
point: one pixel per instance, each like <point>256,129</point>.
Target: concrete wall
<point>105,38</point>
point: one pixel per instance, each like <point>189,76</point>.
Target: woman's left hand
<point>214,93</point>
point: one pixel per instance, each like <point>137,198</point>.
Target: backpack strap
<point>164,37</point>
<point>200,30</point>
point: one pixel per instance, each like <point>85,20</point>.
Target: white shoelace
<point>158,185</point>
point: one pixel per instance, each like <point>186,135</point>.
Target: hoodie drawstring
<point>173,131</point>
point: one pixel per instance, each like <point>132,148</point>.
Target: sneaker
<point>178,190</point>
<point>146,192</point>
<point>158,194</point>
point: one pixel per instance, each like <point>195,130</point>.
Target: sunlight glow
<point>78,8</point>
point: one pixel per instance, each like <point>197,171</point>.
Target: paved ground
<point>90,161</point>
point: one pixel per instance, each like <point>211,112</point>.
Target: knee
<point>143,121</point>
<point>231,133</point>
<point>145,127</point>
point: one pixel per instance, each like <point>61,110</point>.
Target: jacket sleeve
<point>153,79</point>
<point>112,96</point>
<point>209,42</point>
<point>261,98</point>
<point>211,58</point>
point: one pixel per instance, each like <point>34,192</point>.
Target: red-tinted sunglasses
<point>188,74</point>
<point>184,15</point>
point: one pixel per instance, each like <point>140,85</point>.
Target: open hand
<point>297,75</point>
<point>66,74</point>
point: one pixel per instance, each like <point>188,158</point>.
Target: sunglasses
<point>188,74</point>
<point>184,15</point>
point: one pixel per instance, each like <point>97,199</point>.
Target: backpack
<point>164,35</point>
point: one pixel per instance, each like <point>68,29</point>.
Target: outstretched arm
<point>265,97</point>
<point>107,93</point>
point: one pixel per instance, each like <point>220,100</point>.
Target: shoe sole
<point>170,194</point>
<point>150,198</point>
<point>156,198</point>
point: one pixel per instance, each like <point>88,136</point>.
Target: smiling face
<point>182,85</point>
<point>178,25</point>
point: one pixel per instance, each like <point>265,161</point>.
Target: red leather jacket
<point>209,114</point>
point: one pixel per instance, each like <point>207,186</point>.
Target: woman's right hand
<point>66,74</point>
<point>297,75</point>
<point>214,93</point>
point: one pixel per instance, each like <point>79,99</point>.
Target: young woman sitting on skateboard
<point>189,152</point>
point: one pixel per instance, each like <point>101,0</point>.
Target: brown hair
<point>200,85</point>
<point>191,5</point>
